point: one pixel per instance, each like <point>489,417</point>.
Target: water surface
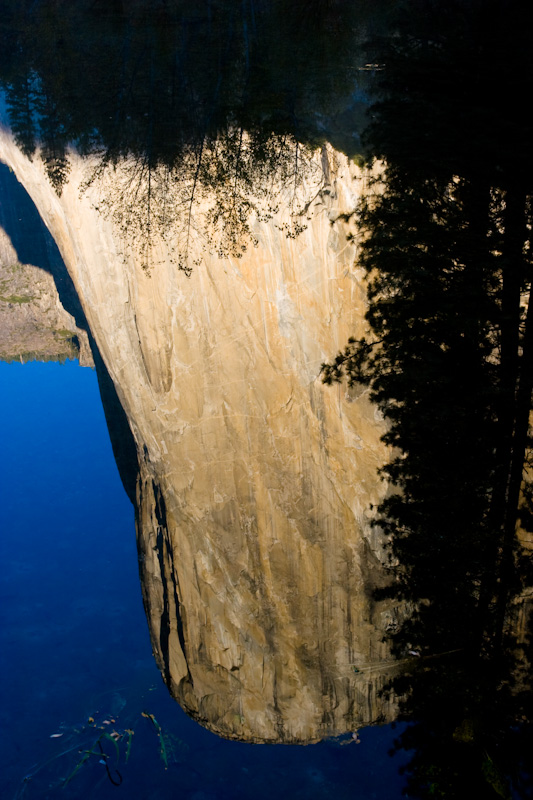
<point>74,639</point>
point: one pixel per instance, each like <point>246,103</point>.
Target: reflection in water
<point>449,360</point>
<point>264,579</point>
<point>257,559</point>
<point>55,609</point>
<point>217,108</point>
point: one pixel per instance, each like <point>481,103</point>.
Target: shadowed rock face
<point>256,554</point>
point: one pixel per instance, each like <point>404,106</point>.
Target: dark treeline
<point>446,239</point>
<point>150,79</point>
<point>220,98</point>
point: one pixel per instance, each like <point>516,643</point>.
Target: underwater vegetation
<point>100,751</point>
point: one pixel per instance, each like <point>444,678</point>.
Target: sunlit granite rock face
<point>255,481</point>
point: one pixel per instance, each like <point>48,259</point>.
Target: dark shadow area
<point>216,99</point>
<point>34,245</point>
<point>446,241</point>
<point>33,242</point>
<point>131,79</point>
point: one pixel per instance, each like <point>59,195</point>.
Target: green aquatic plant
<point>101,739</point>
<point>160,736</point>
<point>129,734</point>
<point>103,757</point>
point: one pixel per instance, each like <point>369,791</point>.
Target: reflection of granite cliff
<point>256,553</point>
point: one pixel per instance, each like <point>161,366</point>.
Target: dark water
<point>74,638</point>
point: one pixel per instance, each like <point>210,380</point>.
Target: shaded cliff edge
<point>257,556</point>
<point>40,314</point>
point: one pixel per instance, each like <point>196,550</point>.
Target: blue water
<point>74,642</point>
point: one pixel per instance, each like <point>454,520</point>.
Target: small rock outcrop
<point>33,322</point>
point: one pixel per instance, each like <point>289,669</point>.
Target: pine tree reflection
<point>214,99</point>
<point>446,241</point>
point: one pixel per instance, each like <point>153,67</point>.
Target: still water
<point>172,142</point>
<point>74,638</point>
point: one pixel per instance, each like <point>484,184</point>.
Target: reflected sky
<point>74,636</point>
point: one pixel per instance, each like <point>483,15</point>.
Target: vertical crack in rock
<point>172,615</point>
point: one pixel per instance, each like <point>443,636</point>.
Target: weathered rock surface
<point>257,557</point>
<point>33,322</point>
